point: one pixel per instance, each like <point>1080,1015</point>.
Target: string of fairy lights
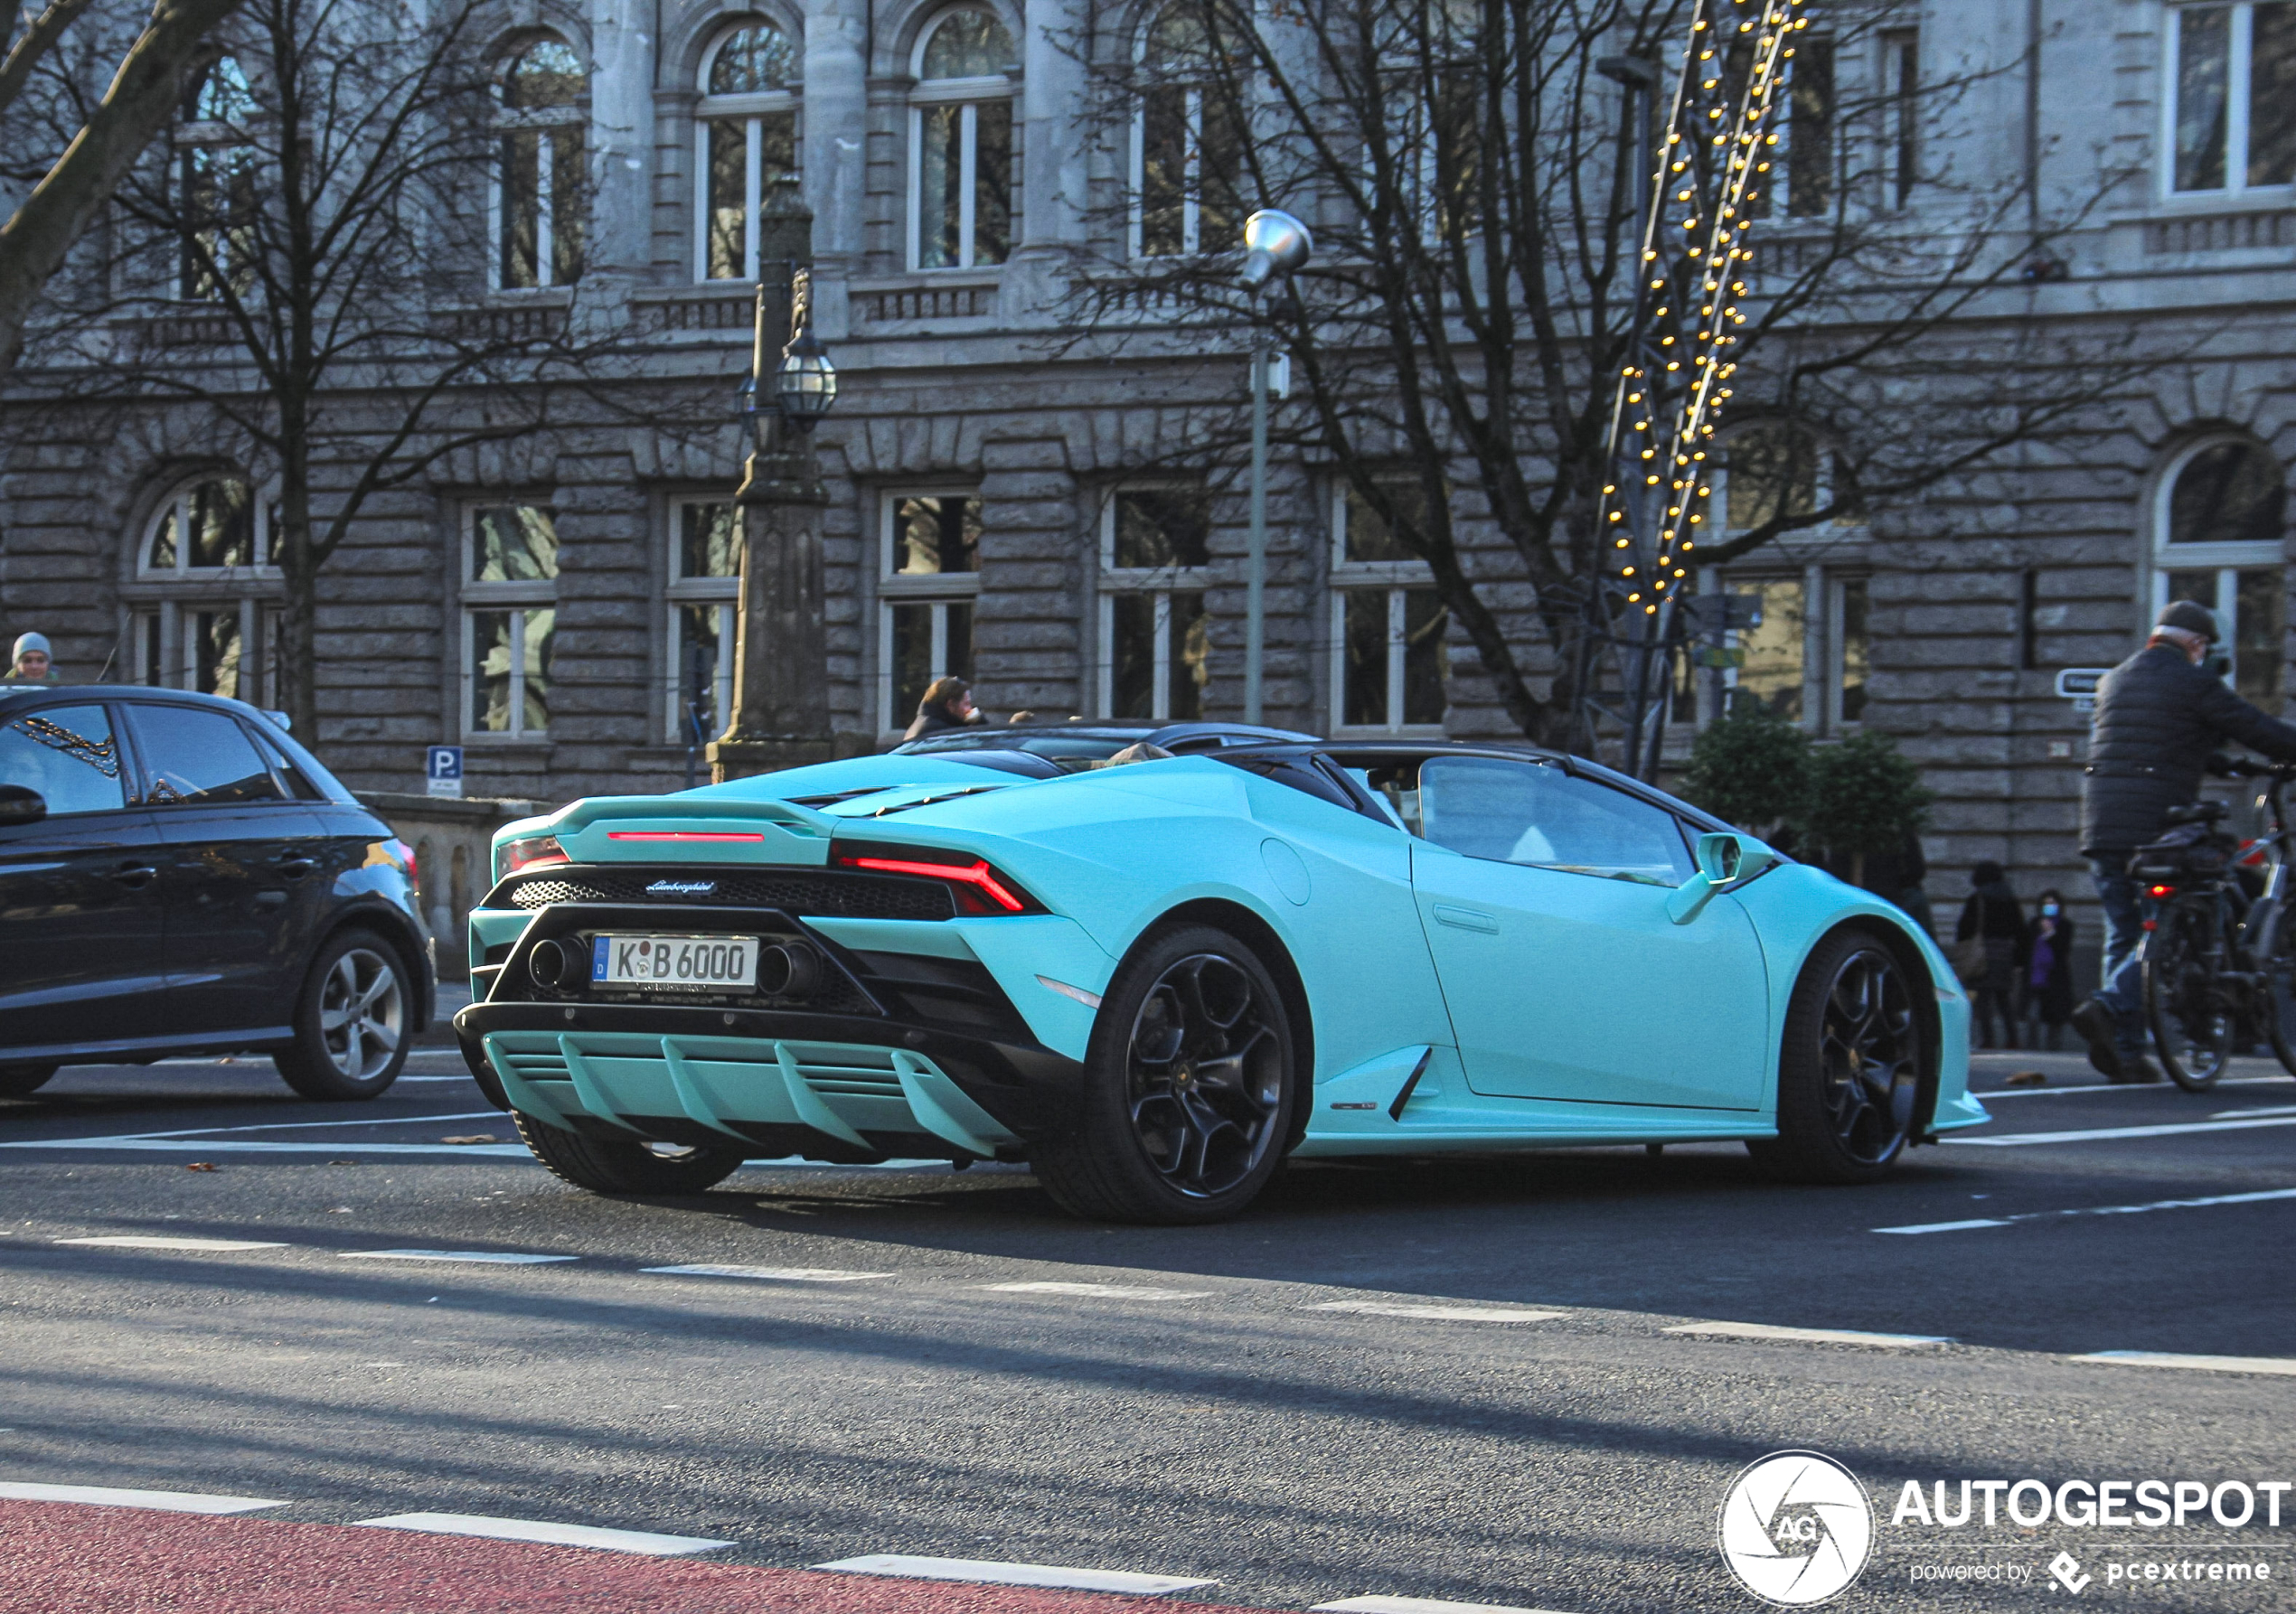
<point>1713,165</point>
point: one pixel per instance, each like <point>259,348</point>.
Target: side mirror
<point>19,805</point>
<point>1725,858</point>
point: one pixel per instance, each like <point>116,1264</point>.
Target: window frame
<point>1398,579</point>
<point>130,773</point>
<point>194,137</point>
<point>520,598</point>
<point>1160,583</point>
<point>751,108</point>
<point>968,94</point>
<point>160,655</point>
<point>1825,591</point>
<point>935,590</point>
<point>2239,67</point>
<point>2229,561</point>
<point>508,120</point>
<point>681,593</point>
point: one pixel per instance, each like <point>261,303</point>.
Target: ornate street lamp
<point>806,385</point>
<point>1276,246</point>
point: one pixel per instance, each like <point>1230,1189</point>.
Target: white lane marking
<point>1816,1336</point>
<point>1113,1291</point>
<point>1458,1314</point>
<point>1991,1094</point>
<point>305,1126</point>
<point>770,1274</point>
<point>2107,1133</point>
<point>2240,1114</point>
<point>489,1257</point>
<point>564,1536</point>
<point>1415,1604</point>
<point>991,1573</point>
<point>2097,1210</point>
<point>104,1496</point>
<point>136,1241</point>
<point>2280,1364</point>
<point>243,1146</point>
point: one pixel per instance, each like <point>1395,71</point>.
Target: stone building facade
<point>560,604</point>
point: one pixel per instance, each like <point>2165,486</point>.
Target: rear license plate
<point>689,963</point>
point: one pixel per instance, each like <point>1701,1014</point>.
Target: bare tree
<point>99,148</point>
<point>306,259</point>
<point>1514,254</point>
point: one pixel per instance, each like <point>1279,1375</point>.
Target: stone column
<point>621,137</point>
<point>836,152</point>
<point>1052,161</point>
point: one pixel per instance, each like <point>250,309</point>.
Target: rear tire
<point>1850,1071</point>
<point>1189,1088</point>
<point>2189,1012</point>
<point>22,1081</point>
<point>351,1020</point>
<point>614,1165</point>
<point>2276,1001</point>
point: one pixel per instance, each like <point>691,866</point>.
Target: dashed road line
<point>2097,1210</point>
<point>1415,1604</point>
<point>2273,1364</point>
<point>2267,1110</point>
<point>564,1535</point>
<point>2109,1133</point>
<point>104,1496</point>
<point>1807,1335</point>
<point>769,1274</point>
<point>1105,1291</point>
<point>987,1572</point>
<point>138,1242</point>
<point>1457,1314</point>
<point>514,1258</point>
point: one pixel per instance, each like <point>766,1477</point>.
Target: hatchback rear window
<point>195,756</point>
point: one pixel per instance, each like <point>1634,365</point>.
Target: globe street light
<point>806,384</point>
<point>1275,245</point>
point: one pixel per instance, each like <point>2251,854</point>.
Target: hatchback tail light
<point>978,886</point>
<point>531,852</point>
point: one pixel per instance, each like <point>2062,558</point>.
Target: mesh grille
<point>831,895</point>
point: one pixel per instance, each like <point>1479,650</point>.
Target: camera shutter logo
<point>1796,1528</point>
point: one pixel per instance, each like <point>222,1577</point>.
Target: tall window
<point>1189,145</point>
<point>1155,637</point>
<point>1809,120</point>
<point>1388,668</point>
<point>206,595</point>
<point>541,189</point>
<point>2218,521</point>
<point>510,619</point>
<point>2229,105</point>
<point>705,587</point>
<point>1901,113</point>
<point>932,554</point>
<point>961,141</point>
<point>1803,648</point>
<point>746,143</point>
<point>215,177</point>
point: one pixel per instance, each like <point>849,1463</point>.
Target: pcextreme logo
<point>1796,1528</point>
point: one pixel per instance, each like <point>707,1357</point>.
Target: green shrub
<point>1863,797</point>
<point>1751,768</point>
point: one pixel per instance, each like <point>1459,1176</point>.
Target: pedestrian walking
<point>2048,973</point>
<point>947,704</point>
<point>32,662</point>
<point>2159,716</point>
<point>1993,913</point>
<point>1897,877</point>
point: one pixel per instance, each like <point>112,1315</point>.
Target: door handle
<point>1465,919</point>
<point>135,874</point>
<point>294,869</point>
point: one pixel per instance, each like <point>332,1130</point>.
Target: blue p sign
<point>443,769</point>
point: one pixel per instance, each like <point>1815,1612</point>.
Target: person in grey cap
<point>2159,716</point>
<point>32,662</point>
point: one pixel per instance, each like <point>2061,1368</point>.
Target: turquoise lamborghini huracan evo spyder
<point>1153,976</point>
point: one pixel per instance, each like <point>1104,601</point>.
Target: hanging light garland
<point>1714,164</point>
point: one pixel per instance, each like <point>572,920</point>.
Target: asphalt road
<point>1440,1380</point>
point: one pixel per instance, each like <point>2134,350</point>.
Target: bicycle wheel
<point>2189,1010</point>
<point>2276,992</point>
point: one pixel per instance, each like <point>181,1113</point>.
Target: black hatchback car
<point>178,875</point>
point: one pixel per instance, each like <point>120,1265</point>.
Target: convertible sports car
<point>1154,977</point>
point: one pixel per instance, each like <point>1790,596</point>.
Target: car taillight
<point>531,852</point>
<point>978,886</point>
<point>407,856</point>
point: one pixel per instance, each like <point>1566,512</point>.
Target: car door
<point>1544,898</point>
<point>79,899</point>
<point>238,883</point>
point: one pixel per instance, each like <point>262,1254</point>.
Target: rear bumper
<point>778,1081</point>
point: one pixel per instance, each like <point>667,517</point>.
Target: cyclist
<point>2159,714</point>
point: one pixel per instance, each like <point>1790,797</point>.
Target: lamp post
<point>1275,245</point>
<point>780,716</point>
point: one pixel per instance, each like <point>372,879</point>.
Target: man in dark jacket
<point>2159,716</point>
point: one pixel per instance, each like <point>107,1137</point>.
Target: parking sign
<point>443,770</point>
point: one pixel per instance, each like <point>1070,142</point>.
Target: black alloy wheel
<point>2186,1003</point>
<point>1850,1076</point>
<point>1190,1087</point>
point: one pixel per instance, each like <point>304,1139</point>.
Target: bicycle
<point>2218,962</point>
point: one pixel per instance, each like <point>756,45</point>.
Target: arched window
<point>2217,522</point>
<point>1188,150</point>
<point>961,141</point>
<point>745,144</point>
<point>204,599</point>
<point>540,185</point>
<point>215,177</point>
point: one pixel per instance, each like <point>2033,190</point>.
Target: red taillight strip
<point>683,835</point>
<point>976,875</point>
